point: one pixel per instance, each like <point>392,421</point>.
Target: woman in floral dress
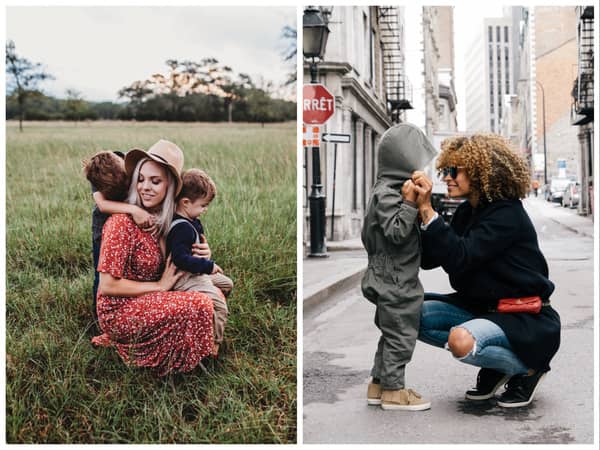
<point>149,325</point>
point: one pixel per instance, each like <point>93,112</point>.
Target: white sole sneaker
<point>503,381</point>
<point>374,401</point>
<point>517,405</point>
<point>394,407</point>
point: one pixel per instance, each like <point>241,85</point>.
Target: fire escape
<point>397,88</point>
<point>582,110</point>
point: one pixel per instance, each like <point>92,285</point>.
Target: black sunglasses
<point>452,171</point>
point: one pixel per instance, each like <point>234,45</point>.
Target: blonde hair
<point>495,171</point>
<point>165,217</point>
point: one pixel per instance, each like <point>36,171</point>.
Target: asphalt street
<point>339,344</point>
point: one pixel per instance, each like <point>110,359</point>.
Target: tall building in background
<point>364,69</point>
<point>489,75</point>
<point>554,61</point>
<point>431,59</point>
<point>439,73</point>
<point>582,110</point>
<point>444,38</point>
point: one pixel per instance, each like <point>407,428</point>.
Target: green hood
<point>402,149</point>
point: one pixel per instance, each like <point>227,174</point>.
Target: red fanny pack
<point>532,305</point>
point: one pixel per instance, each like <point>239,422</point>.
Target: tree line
<point>188,91</point>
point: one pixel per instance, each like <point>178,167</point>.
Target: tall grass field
<point>61,389</point>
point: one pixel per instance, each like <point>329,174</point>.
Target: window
<point>373,157</point>
<point>506,70</point>
<point>505,34</point>
<point>364,167</point>
<point>497,34</point>
<point>372,57</point>
<point>354,168</point>
<point>490,35</point>
<point>366,39</point>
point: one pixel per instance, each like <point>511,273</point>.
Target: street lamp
<point>544,131</point>
<point>315,33</point>
<point>543,128</point>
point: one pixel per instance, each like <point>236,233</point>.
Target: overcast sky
<point>99,50</point>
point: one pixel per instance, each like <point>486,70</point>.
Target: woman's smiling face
<point>459,186</point>
<point>152,184</point>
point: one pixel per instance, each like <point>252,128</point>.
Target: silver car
<point>570,196</point>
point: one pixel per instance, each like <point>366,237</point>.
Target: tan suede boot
<point>403,400</point>
<point>374,394</point>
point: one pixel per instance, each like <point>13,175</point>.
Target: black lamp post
<point>315,33</point>
<point>543,129</point>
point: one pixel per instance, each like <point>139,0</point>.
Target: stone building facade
<point>363,69</point>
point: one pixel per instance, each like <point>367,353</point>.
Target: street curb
<point>327,292</point>
<point>574,230</point>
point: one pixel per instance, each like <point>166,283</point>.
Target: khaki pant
<point>216,286</point>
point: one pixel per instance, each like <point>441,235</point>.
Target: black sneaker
<point>520,390</point>
<point>488,382</point>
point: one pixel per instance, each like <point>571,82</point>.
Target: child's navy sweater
<point>179,245</point>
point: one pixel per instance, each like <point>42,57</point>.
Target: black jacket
<point>491,252</point>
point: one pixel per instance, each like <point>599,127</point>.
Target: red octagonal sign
<point>318,104</point>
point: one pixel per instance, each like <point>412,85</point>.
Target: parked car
<point>444,205</point>
<point>555,192</point>
<point>571,194</point>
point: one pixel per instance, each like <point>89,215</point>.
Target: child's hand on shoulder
<point>144,220</point>
<point>216,269</point>
<point>409,193</point>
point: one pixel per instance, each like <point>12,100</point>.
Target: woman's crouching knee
<point>460,342</point>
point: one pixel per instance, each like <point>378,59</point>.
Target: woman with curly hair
<point>490,252</point>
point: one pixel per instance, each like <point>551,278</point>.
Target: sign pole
<point>333,188</point>
<point>318,107</point>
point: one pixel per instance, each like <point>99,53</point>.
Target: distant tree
<point>290,37</point>
<point>137,93</point>
<point>76,108</point>
<point>25,78</point>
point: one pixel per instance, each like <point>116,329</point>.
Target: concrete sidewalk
<point>347,260</point>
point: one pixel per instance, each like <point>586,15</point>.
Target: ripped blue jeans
<point>491,350</point>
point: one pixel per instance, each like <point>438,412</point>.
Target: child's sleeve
<point>179,241</point>
<point>396,217</point>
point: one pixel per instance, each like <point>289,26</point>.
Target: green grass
<point>60,389</point>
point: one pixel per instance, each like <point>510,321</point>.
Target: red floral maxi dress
<point>168,331</point>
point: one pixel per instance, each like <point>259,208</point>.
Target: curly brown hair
<point>106,171</point>
<point>495,171</point>
<point>197,184</point>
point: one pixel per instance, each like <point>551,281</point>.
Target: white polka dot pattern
<point>168,331</point>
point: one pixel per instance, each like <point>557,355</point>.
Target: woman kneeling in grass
<point>149,325</point>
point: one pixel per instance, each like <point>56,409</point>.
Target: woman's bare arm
<point>121,287</point>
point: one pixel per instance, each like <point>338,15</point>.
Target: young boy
<point>390,235</point>
<point>203,274</point>
<point>106,173</point>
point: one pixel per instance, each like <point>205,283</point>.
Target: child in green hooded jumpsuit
<point>391,237</point>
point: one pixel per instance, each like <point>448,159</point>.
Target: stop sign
<point>318,105</point>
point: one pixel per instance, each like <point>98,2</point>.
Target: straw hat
<point>163,152</point>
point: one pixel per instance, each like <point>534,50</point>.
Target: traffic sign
<point>336,138</point>
<point>318,104</point>
<point>311,136</point>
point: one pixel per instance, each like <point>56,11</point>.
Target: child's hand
<point>144,219</point>
<point>409,192</point>
<point>216,269</point>
<point>202,250</point>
